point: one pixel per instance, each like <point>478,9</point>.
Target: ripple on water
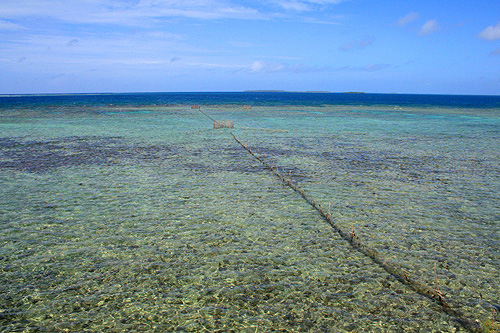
<point>121,234</point>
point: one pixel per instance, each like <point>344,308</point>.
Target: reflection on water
<point>137,222</point>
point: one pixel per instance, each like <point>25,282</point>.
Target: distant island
<point>353,92</point>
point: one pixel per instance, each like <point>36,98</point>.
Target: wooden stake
<point>435,275</point>
<point>406,273</point>
<point>438,292</point>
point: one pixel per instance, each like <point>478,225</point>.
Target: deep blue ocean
<point>249,212</point>
<point>255,98</point>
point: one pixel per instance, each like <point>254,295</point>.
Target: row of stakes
<point>402,274</point>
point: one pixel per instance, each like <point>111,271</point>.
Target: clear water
<point>129,213</point>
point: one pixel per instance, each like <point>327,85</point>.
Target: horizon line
<point>239,91</point>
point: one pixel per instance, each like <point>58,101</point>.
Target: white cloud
<point>6,25</point>
<point>124,12</point>
<point>429,27</point>
<point>278,67</point>
<point>490,33</point>
<point>403,21</point>
<point>294,5</point>
<point>148,13</point>
<point>332,21</point>
<point>257,66</point>
<point>359,44</point>
<point>215,65</point>
<point>367,68</point>
<point>304,5</point>
<point>89,50</point>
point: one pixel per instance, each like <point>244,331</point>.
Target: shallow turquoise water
<point>146,219</point>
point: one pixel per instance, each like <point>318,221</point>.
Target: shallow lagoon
<point>144,218</point>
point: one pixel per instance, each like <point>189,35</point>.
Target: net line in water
<point>448,305</point>
<point>451,307</point>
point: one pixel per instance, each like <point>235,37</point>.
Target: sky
<point>390,46</point>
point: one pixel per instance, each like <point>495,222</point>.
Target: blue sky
<point>66,46</point>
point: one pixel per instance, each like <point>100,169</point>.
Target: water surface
<point>130,213</point>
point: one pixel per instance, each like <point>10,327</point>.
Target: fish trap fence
<point>224,124</point>
<point>449,305</point>
<point>217,124</point>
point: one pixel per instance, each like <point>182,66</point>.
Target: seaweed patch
<point>45,156</point>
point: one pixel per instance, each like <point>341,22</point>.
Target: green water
<point>146,219</point>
